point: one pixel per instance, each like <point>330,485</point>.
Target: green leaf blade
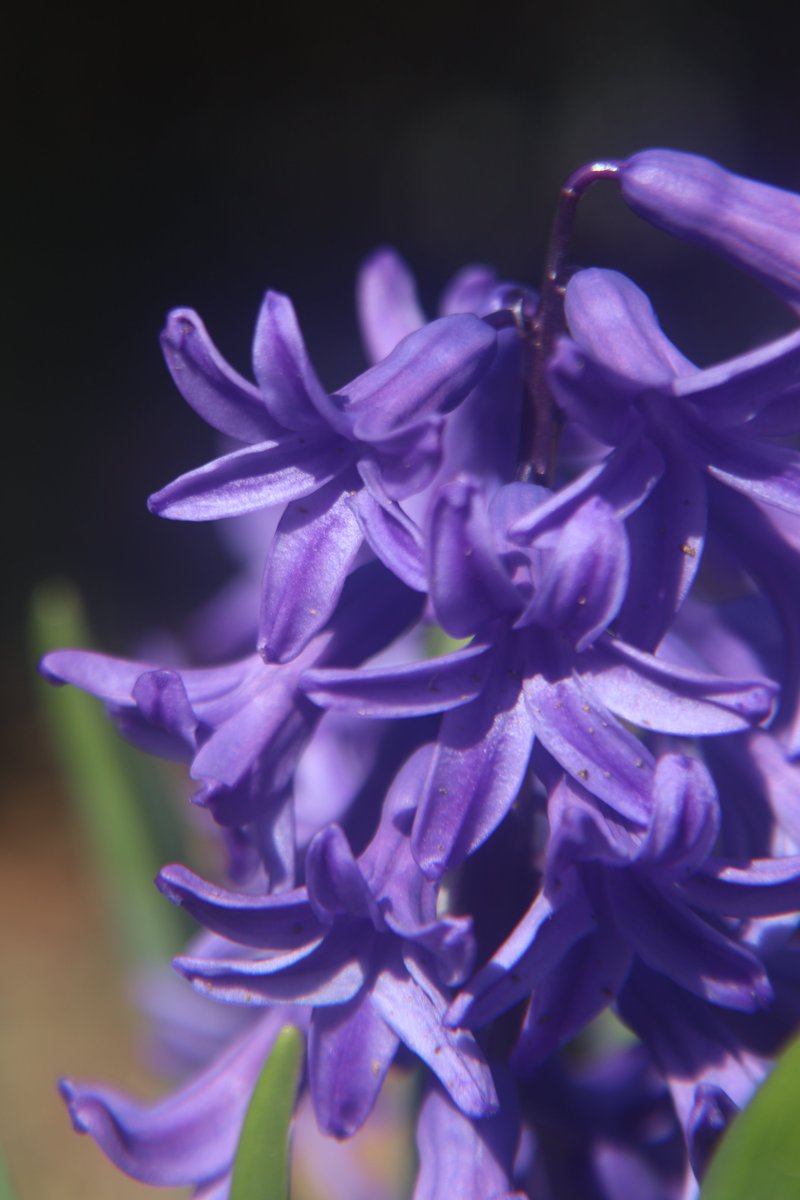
<point>261,1166</point>
<point>759,1156</point>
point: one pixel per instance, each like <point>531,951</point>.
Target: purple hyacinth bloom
<point>310,449</point>
<point>242,725</point>
<point>617,370</point>
<point>537,580</point>
<point>752,224</point>
<point>190,1137</point>
<point>613,894</point>
<point>360,942</point>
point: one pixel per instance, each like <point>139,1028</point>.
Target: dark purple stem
<point>539,432</point>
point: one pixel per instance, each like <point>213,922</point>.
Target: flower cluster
<point>516,738</point>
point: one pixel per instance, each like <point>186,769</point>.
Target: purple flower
<point>754,225</point>
<point>309,449</point>
<point>362,944</point>
<point>242,725</point>
<point>190,1137</point>
<point>537,581</point>
<point>614,892</point>
<point>616,371</point>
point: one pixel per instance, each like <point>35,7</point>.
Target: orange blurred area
<point>63,1003</point>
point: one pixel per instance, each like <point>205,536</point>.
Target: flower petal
<point>469,584</point>
<point>329,973</point>
<point>278,923</point>
<point>189,1137</point>
<point>314,547</point>
<point>583,581</point>
<point>213,389</point>
<point>253,478</point>
<point>292,393</point>
<point>478,765</point>
<point>415,1014</point>
<point>431,686</point>
<point>430,371</point>
<point>535,948</point>
<point>386,299</point>
<point>350,1049</point>
<point>671,939</point>
<point>750,223</point>
<point>575,727</point>
<point>613,321</point>
<point>461,1157</point>
<point>655,694</point>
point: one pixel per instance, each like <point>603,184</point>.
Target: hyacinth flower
<point>361,943</point>
<point>752,224</point>
<point>718,424</point>
<point>190,1137</point>
<point>537,598</point>
<point>481,435</point>
<point>242,725</point>
<point>603,715</point>
<point>312,450</point>
<point>613,893</point>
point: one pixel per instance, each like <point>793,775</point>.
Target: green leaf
<point>261,1166</point>
<point>759,1156</point>
<point>103,781</point>
<point>6,1190</point>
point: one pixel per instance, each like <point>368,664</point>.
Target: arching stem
<point>539,440</point>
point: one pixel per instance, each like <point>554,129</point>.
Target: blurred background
<point>158,161</point>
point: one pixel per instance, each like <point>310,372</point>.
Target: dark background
<point>152,160</point>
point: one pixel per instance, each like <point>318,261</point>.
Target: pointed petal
<point>613,321</point>
<point>257,477</point>
<point>334,881</point>
<point>752,224</point>
<point>292,393</point>
<point>190,1136</point>
<point>314,547</point>
<point>280,923</point>
<point>655,694</point>
<point>406,461</point>
<point>583,582</point>
<point>572,723</point>
<point>432,686</point>
<point>533,950</point>
<point>350,1049</point>
<point>213,389</point>
<point>673,940</point>
<point>686,816</point>
<point>330,973</point>
<point>623,480</point>
<point>415,1014</point>
<point>392,536</point>
<point>430,371</point>
<point>387,303</point>
<point>564,1001</point>
<point>461,1157</point>
<point>469,584</point>
<point>762,887</point>
<point>757,469</point>
<point>478,766</point>
<point>667,535</point>
<point>732,392</point>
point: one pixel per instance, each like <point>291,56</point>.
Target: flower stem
<point>540,422</point>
